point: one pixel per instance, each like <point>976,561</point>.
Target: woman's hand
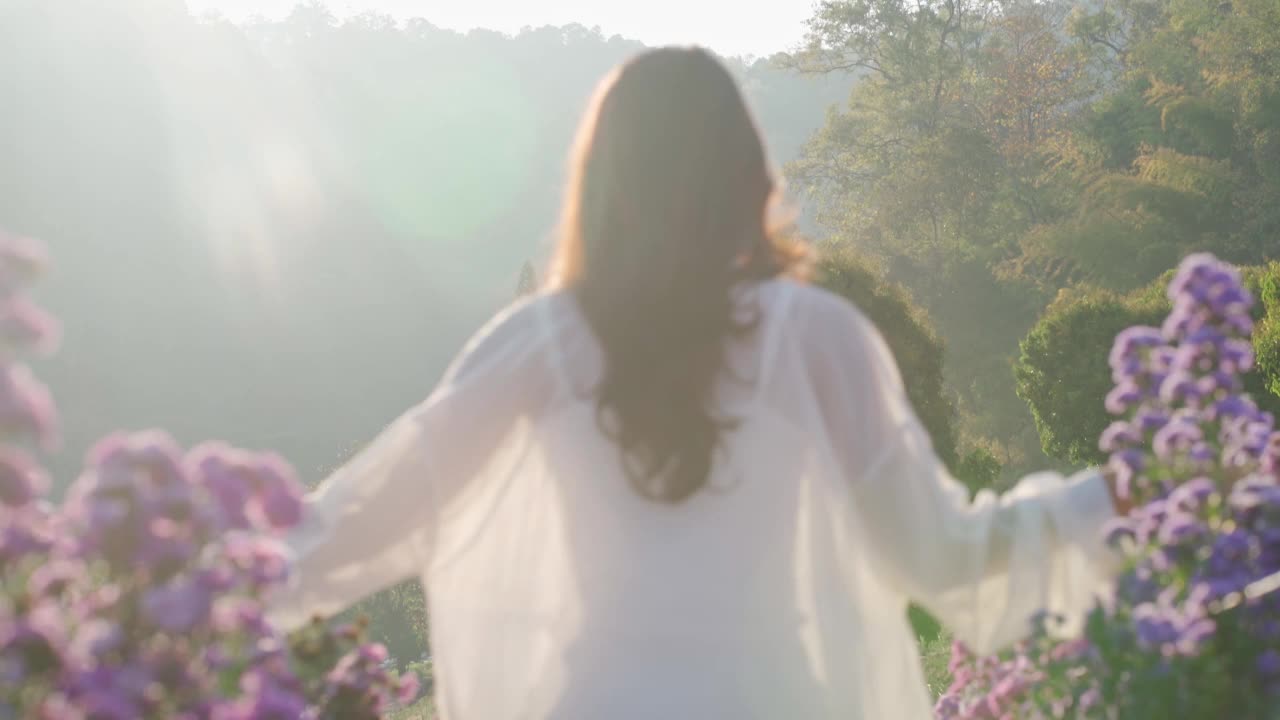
<point>1123,505</point>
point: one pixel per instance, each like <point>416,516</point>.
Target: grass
<point>424,709</point>
<point>935,655</point>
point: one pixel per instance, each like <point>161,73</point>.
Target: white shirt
<point>556,591</point>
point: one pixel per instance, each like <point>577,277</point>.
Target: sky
<point>730,27</point>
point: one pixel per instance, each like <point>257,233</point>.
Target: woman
<point>679,483</point>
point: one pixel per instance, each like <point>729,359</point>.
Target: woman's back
<point>779,590</point>
<point>621,607</point>
<point>686,611</point>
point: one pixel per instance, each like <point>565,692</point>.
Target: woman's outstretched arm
<point>984,566</point>
<point>370,524</point>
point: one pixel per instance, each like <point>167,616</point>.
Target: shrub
<point>1062,372</point>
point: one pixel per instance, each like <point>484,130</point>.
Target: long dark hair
<point>665,213</point>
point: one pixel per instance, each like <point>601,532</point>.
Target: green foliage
<point>935,657</point>
<point>1063,374</point>
<point>939,165</point>
<point>1197,126</point>
<point>1113,130</point>
<point>1179,153</point>
<point>915,346</point>
<point>993,155</point>
<point>1130,227</point>
<point>397,618</point>
<point>1266,333</point>
<point>979,468</point>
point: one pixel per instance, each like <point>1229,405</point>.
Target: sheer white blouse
<point>556,591</point>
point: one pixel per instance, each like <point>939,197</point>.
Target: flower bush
<point>1191,628</point>
<point>143,594</point>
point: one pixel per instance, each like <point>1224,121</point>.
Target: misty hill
<point>278,233</point>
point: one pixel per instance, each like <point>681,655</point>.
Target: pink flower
<point>21,481</point>
<point>407,689</point>
<point>24,326</point>
<point>22,260</point>
<point>26,407</point>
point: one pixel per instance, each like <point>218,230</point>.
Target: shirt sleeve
<point>983,566</point>
<point>369,525</point>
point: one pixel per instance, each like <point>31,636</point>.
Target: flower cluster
<point>1192,629</point>
<point>988,687</point>
<point>143,595</point>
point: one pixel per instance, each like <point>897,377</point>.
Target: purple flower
<point>108,704</point>
<point>263,560</point>
<point>1254,492</point>
<point>1070,649</point>
<point>1118,436</point>
<point>21,261</point>
<point>1194,634</point>
<point>1130,343</point>
<point>1268,663</point>
<point>165,545</point>
<point>373,653</point>
<point>53,578</point>
<point>26,407</point>
<point>1181,528</point>
<point>34,640</point>
<point>24,532</point>
<point>1192,494</point>
<point>1155,626</point>
<point>240,614</point>
<point>1186,316</point>
<point>93,639</point>
<point>1119,533</point>
<point>407,688</point>
<point>178,605</point>
<point>157,456</point>
<point>1270,460</point>
<point>272,702</point>
<point>279,493</point>
<point>112,693</point>
<point>21,481</point>
<point>225,474</point>
<point>1177,436</point>
<point>1123,397</point>
<point>1202,453</point>
<point>1184,554</point>
<point>25,326</point>
<point>1180,386</point>
<point>1236,356</point>
<point>1150,419</point>
<point>1127,465</point>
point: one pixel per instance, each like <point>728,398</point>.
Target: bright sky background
<point>732,27</point>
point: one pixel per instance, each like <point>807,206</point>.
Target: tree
<point>1063,374</point>
<point>940,164</point>
<point>1179,152</point>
